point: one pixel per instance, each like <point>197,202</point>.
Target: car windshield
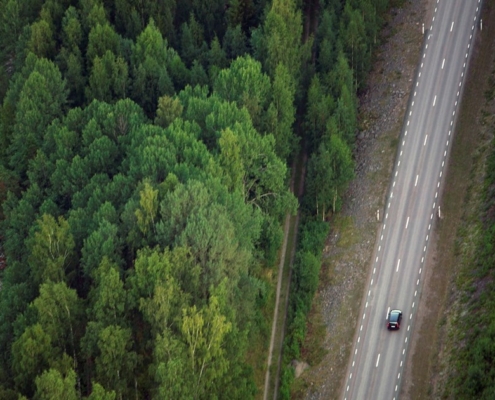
<point>394,316</point>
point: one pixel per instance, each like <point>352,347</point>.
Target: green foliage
<point>102,38</point>
<point>146,214</point>
<point>103,242</point>
<point>305,278</point>
<point>109,78</point>
<point>234,42</point>
<point>52,250</point>
<point>135,250</point>
<point>203,332</point>
<point>282,112</point>
<point>31,354</point>
<point>132,17</point>
<point>116,362</point>
<point>244,83</point>
<point>149,60</point>
<point>108,295</point>
<point>168,110</point>
<point>41,43</point>
<point>329,171</point>
<point>52,385</point>
<point>192,44</point>
<point>59,314</point>
<point>41,99</point>
<point>99,393</point>
<point>475,376</point>
<point>281,40</point>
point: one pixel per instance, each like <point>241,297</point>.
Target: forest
<point>144,167</point>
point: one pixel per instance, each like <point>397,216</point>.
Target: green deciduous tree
<point>217,59</point>
<point>146,214</point>
<point>282,112</point>
<point>192,44</point>
<point>99,393</point>
<point>104,241</point>
<point>346,115</point>
<point>353,35</point>
<point>231,159</point>
<point>116,362</point>
<point>247,85</point>
<point>149,69</point>
<point>100,79</point>
<point>153,267</point>
<point>52,385</point>
<point>41,42</point>
<point>108,297</point>
<point>329,171</point>
<point>282,38</point>
<point>326,40</point>
<point>42,99</point>
<point>102,38</point>
<point>168,110</point>
<point>319,110</point>
<point>60,314</point>
<point>31,354</point>
<point>204,331</point>
<point>52,250</point>
<point>72,32</point>
<point>234,42</point>
<point>172,373</point>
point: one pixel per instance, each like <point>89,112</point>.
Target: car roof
<point>394,315</point>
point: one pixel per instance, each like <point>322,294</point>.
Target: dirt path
<point>278,329</point>
<point>277,306</point>
<point>282,294</point>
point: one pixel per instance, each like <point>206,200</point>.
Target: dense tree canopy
<point>144,182</point>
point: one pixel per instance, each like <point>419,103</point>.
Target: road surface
<point>378,356</point>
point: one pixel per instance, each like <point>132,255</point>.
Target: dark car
<point>394,318</point>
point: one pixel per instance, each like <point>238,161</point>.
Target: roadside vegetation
<point>471,373</point>
<point>144,183</point>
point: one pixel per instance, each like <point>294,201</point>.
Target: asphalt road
<point>378,356</point>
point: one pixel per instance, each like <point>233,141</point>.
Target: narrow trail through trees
<point>310,25</point>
